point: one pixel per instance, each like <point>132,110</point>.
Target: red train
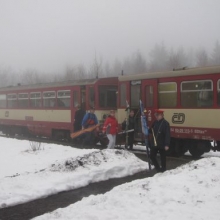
<point>190,98</point>
<point>48,109</point>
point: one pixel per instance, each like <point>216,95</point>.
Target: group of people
<point>160,131</point>
<point>85,120</point>
<point>160,140</point>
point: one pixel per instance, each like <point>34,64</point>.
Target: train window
<point>23,100</point>
<point>107,96</point>
<point>63,98</point>
<point>135,95</point>
<point>12,100</point>
<point>197,94</point>
<point>49,99</point>
<point>122,95</point>
<point>218,92</point>
<point>3,101</point>
<point>35,99</point>
<point>91,97</point>
<point>149,95</point>
<point>167,93</point>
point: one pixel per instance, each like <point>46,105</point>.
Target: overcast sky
<point>48,35</point>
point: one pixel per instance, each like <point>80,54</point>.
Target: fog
<point>54,36</point>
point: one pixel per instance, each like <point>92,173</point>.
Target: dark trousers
<point>88,138</point>
<point>153,155</point>
<point>77,126</point>
<point>131,140</point>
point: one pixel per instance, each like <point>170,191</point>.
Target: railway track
<point>141,153</point>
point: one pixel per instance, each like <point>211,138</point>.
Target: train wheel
<point>208,146</point>
<point>180,148</point>
<point>198,148</point>
<point>218,145</point>
<point>10,132</point>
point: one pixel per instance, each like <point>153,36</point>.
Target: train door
<point>150,98</point>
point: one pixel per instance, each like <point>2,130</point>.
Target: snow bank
<point>16,156</point>
<point>188,192</point>
<point>67,174</point>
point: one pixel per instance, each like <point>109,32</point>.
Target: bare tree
<point>177,59</point>
<point>107,70</point>
<point>215,58</point>
<point>202,58</point>
<point>81,72</point>
<point>8,77</point>
<point>127,66</point>
<point>30,76</point>
<point>139,63</point>
<point>117,68</point>
<point>159,58</point>
<point>4,76</point>
<point>96,68</point>
<point>69,73</point>
<point>135,64</point>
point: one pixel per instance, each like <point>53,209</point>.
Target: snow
<point>26,175</point>
<point>187,192</point>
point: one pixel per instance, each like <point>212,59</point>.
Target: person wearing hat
<point>89,120</point>
<point>160,140</point>
<point>110,127</point>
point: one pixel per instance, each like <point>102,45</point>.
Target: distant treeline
<point>159,59</point>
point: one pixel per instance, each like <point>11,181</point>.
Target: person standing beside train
<point>79,114</point>
<point>110,127</point>
<point>160,141</point>
<point>131,126</point>
<point>89,120</point>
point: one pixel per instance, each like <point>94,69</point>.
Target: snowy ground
<point>188,192</point>
<point>26,175</point>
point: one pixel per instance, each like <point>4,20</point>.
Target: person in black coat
<point>160,140</point>
<point>131,125</point>
<point>79,114</point>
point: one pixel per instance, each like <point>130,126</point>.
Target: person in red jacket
<point>110,127</point>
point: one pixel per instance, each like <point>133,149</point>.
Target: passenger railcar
<point>48,110</point>
<point>190,99</point>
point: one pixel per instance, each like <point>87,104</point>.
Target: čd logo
<point>178,118</point>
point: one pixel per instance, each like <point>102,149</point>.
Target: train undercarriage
<point>178,147</point>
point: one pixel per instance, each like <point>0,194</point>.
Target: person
<point>160,141</point>
<point>89,120</point>
<point>79,114</point>
<point>110,127</point>
<point>131,125</point>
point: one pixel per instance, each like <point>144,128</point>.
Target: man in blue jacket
<point>89,120</point>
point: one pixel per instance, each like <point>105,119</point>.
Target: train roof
<point>81,82</point>
<point>174,73</point>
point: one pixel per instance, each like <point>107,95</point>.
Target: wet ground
<point>38,207</point>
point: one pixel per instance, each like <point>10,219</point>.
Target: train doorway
<point>150,98</point>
